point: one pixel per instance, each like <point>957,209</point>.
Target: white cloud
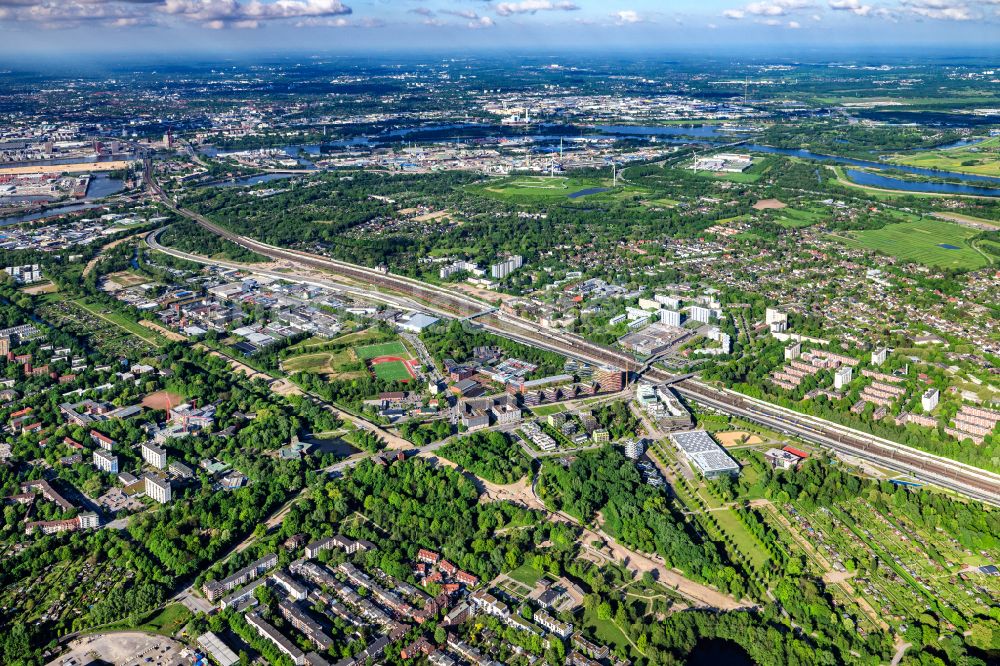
<point>233,13</point>
<point>532,6</point>
<point>768,8</point>
<point>627,16</point>
<point>855,7</point>
<point>944,10</point>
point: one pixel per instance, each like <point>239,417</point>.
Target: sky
<point>53,27</point>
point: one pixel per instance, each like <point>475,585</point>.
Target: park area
<point>926,241</point>
<point>348,356</point>
<point>549,188</point>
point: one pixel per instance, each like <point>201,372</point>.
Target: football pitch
<point>929,242</point>
<point>394,348</point>
<point>392,371</point>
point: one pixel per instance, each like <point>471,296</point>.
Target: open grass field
<point>982,158</point>
<point>928,242</point>
<point>392,371</point>
<point>791,218</point>
<point>526,574</point>
<point>127,279</point>
<point>607,632</point>
<point>538,188</point>
<point>394,348</point>
<point>547,410</point>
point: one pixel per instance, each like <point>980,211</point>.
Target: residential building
<point>671,317</point>
<point>634,449</point>
<point>929,399</point>
<point>702,314</point>
<point>879,356</point>
<point>157,489</point>
<point>154,455</point>
<point>504,268</point>
<point>266,630</point>
<point>793,351</point>
<point>106,462</point>
<point>843,377</point>
<point>561,629</point>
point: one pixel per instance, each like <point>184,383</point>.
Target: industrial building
<point>710,459</point>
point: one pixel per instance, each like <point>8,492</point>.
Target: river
<point>667,134</point>
<point>100,186</point>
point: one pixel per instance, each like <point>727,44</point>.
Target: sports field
<point>394,348</point>
<point>929,242</point>
<point>392,371</point>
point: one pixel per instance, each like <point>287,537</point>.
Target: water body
<point>888,183</point>
<point>701,131</point>
<point>587,192</point>
<point>948,246</point>
<point>961,143</point>
<point>718,652</point>
<point>100,186</point>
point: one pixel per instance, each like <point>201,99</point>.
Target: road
<point>948,473</point>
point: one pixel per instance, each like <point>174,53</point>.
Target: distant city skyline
<point>67,26</point>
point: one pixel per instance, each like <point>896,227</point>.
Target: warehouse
<point>710,459</point>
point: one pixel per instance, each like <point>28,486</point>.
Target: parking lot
<point>129,648</point>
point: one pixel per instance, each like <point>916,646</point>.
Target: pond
<point>718,652</point>
<point>587,192</point>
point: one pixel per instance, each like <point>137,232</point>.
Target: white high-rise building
<point>157,489</point>
<point>929,399</point>
<point>671,317</point>
<point>879,356</point>
<point>106,462</point>
<point>154,455</point>
<point>504,268</point>
<point>701,314</point>
<point>672,302</point>
<point>774,316</point>
<point>793,351</point>
<point>843,377</point>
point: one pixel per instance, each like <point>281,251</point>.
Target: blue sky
<point>55,26</point>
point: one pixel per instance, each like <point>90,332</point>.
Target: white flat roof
<point>708,456</point>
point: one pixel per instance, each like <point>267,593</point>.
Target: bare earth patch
<point>769,204</point>
<point>162,400</point>
<point>736,438</point>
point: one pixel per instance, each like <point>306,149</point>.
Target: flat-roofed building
<point>266,630</point>
<point>106,462</point>
<point>929,400</point>
<point>157,489</point>
<point>710,459</point>
<point>154,455</point>
<point>214,589</point>
<point>220,653</point>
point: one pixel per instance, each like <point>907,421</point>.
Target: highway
<point>960,477</point>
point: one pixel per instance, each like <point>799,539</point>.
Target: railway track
<point>954,475</point>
